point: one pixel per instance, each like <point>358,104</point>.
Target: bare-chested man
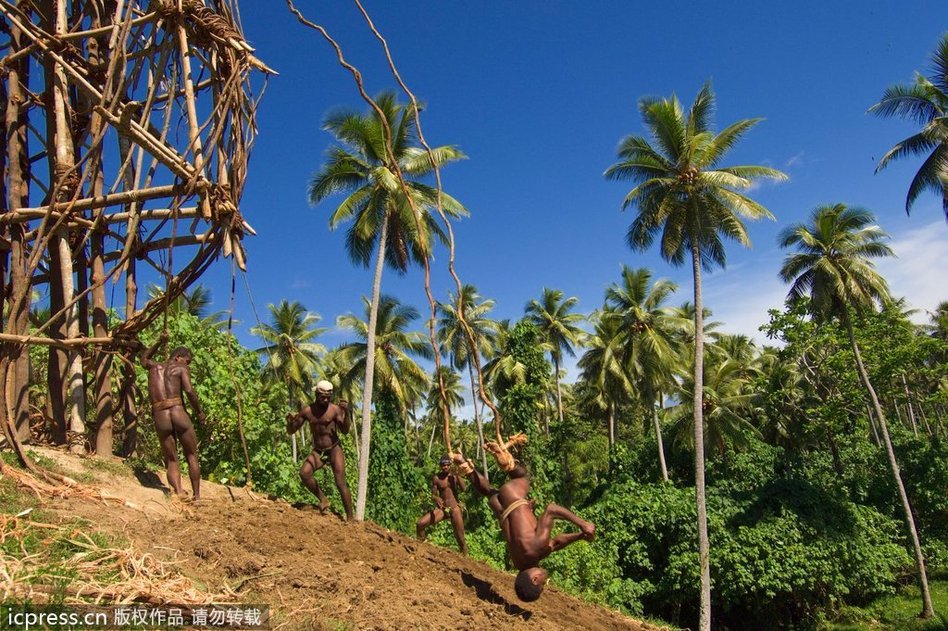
<point>326,420</point>
<point>528,538</point>
<point>444,492</point>
<point>166,382</point>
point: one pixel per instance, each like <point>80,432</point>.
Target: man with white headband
<point>326,420</point>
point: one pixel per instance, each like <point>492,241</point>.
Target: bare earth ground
<point>315,571</point>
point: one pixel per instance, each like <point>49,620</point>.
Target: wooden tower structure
<point>127,130</point>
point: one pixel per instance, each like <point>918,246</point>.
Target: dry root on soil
<point>98,573</point>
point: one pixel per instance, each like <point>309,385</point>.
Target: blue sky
<point>539,94</point>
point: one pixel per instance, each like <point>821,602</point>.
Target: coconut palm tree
<point>398,373</point>
<point>603,368</point>
<point>196,302</point>
<point>376,155</point>
<point>289,350</point>
<point>505,370</point>
<point>558,328</point>
<point>832,270</point>
<point>925,103</point>
<point>691,202</point>
<point>453,398</point>
<point>683,319</point>
<point>454,340</point>
<point>648,332</point>
<point>727,407</point>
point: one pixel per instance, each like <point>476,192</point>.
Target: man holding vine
<point>166,381</point>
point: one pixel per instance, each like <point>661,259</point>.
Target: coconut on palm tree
<point>289,350</point>
<point>925,103</point>
<point>377,165</point>
<point>559,328</point>
<point>686,199</point>
<point>833,271</point>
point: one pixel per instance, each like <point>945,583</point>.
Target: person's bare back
<point>167,381</point>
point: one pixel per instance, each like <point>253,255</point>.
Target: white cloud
<point>795,159</point>
<point>741,303</point>
<point>918,273</point>
<point>300,283</point>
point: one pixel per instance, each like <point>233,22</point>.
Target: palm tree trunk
<point>658,437</point>
<point>703,544</point>
<point>872,423</point>
<point>290,401</point>
<point>612,427</point>
<point>477,417</point>
<point>559,395</point>
<point>434,426</point>
<point>363,484</point>
<point>921,412</point>
<point>927,610</point>
<point>908,403</point>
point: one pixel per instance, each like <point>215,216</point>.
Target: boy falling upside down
<point>528,537</point>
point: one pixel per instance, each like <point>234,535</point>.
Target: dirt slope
<point>317,572</point>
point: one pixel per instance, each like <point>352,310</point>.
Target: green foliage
<point>520,404</point>
<point>781,553</point>
<point>226,377</point>
<point>397,489</point>
<point>804,520</point>
<point>794,551</point>
<point>896,612</point>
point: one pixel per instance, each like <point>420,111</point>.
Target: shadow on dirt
<point>486,592</point>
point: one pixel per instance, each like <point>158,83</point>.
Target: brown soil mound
<point>315,571</point>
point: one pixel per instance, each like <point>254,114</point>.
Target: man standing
<point>166,382</point>
<point>444,492</point>
<point>326,420</point>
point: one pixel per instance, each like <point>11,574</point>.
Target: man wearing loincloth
<point>166,382</point>
<point>326,420</point>
<point>528,538</point>
<point>444,492</point>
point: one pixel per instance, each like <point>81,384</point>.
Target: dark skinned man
<point>326,420</point>
<point>444,492</point>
